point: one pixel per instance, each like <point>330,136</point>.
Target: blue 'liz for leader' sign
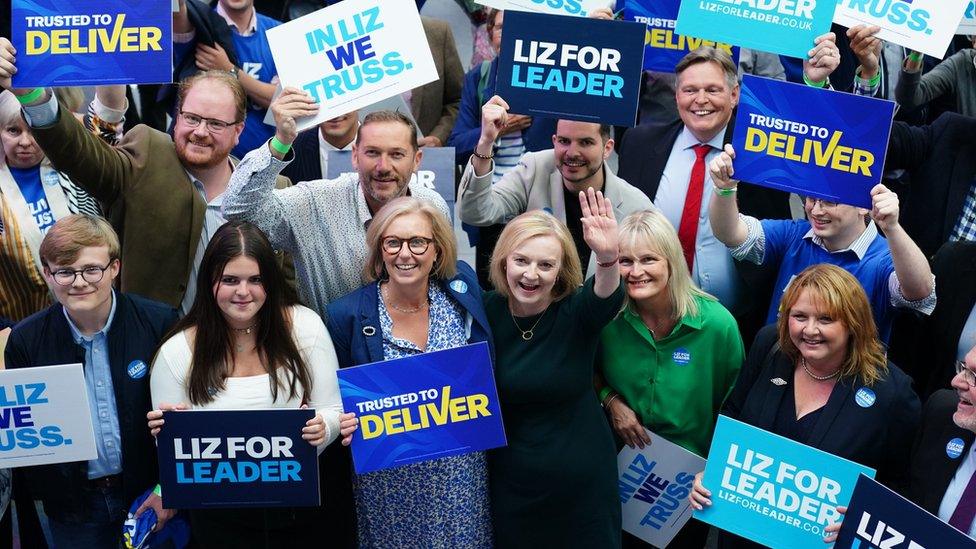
<point>878,517</point>
<point>663,47</point>
<point>91,42</point>
<point>810,141</point>
<point>777,26</point>
<point>422,407</point>
<point>773,490</point>
<point>241,458</point>
<point>571,67</point>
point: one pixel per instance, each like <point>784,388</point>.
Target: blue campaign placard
<point>242,458</point>
<point>787,27</point>
<point>772,490</point>
<point>811,141</point>
<point>663,47</point>
<point>878,517</point>
<point>574,68</point>
<point>422,407</point>
<point>91,42</point>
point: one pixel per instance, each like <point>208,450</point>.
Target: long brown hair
<point>842,298</point>
<point>209,366</point>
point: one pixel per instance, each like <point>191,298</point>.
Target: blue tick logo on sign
<point>681,356</point>
<point>459,286</point>
<point>865,397</point>
<point>137,369</point>
<point>954,448</point>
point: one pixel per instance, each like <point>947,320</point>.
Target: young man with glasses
<point>114,336</point>
<point>893,270</point>
<point>163,195</point>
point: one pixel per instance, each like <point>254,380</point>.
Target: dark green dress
<point>555,484</point>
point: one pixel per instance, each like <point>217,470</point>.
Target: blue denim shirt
<point>101,398</point>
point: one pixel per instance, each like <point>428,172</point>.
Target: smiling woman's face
<point>239,291</point>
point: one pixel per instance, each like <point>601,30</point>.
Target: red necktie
<point>688,229</point>
<point>962,517</point>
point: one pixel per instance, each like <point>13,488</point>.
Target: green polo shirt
<point>675,385</point>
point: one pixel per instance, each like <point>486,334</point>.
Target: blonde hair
<point>69,235</point>
<point>445,266</point>
<point>652,229</point>
<point>530,225</point>
<point>841,297</point>
<point>9,108</point>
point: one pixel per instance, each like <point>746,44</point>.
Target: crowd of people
<point>624,281</point>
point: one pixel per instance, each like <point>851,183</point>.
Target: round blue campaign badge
<point>459,286</point>
<point>681,356</point>
<point>137,369</point>
<point>865,397</point>
<point>954,448</point>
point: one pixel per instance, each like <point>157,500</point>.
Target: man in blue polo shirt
<point>893,271</point>
<point>114,336</point>
<point>256,71</point>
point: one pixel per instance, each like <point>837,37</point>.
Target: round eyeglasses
<point>416,244</point>
<point>91,274</point>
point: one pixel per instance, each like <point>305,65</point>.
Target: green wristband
<point>808,82</point>
<point>279,146</point>
<point>158,490</point>
<point>30,97</point>
<point>915,56</point>
<point>724,192</point>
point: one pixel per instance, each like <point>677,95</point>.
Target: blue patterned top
<point>436,503</point>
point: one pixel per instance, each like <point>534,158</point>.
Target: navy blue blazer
<point>932,466</point>
<point>45,339</point>
<point>877,436</point>
<point>354,319</point>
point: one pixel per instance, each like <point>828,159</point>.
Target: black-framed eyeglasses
<point>967,374</point>
<point>416,244</point>
<point>213,125</point>
<point>91,274</point>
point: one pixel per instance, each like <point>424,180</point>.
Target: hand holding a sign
<point>155,417</point>
<point>348,423</point>
<point>494,116</point>
<point>823,58</point>
<point>290,105</point>
<point>700,497</point>
<point>866,47</point>
<point>721,169</point>
<point>7,64</point>
<point>833,529</point>
<point>314,430</point>
<point>884,208</point>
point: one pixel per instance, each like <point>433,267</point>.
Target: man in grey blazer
<point>550,180</point>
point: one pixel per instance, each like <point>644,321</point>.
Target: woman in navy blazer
<point>819,376</point>
<point>419,299</point>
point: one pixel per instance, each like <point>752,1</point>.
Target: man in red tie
<point>667,160</point>
<point>943,470</point>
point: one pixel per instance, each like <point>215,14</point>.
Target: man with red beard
<point>545,180</point>
<point>162,194</point>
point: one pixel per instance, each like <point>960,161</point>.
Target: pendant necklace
<point>527,334</point>
<point>803,362</point>
<point>239,347</point>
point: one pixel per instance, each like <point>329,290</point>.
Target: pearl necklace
<point>803,362</point>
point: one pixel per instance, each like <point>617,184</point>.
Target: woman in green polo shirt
<point>671,356</point>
